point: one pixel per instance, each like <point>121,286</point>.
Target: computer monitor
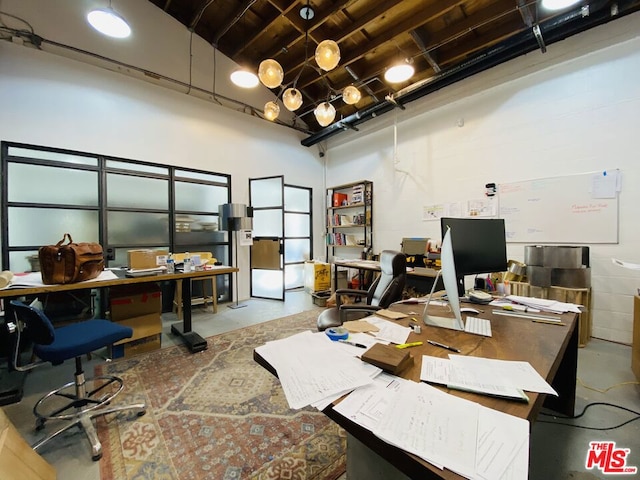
<point>449,277</point>
<point>414,246</point>
<point>479,246</point>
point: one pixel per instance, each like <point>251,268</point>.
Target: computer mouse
<point>469,310</point>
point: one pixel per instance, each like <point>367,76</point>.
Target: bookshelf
<point>349,219</point>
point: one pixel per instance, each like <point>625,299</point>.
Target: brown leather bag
<point>70,263</point>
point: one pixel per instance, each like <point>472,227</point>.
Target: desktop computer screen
<point>479,246</point>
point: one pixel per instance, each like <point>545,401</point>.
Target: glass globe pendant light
<point>327,55</point>
<point>270,73</point>
<point>271,111</point>
<point>292,99</point>
<point>325,113</point>
<point>351,95</point>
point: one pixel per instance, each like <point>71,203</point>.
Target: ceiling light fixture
<point>244,78</point>
<point>400,72</point>
<point>327,57</point>
<point>271,111</point>
<point>108,22</point>
<point>558,4</point>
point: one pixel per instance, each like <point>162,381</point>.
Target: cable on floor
<point>567,417</point>
<point>608,388</point>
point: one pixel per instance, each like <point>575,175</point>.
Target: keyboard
<point>478,326</point>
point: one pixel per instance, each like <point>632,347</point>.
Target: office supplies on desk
<point>337,333</point>
<point>442,345</point>
<point>353,344</point>
<point>408,345</point>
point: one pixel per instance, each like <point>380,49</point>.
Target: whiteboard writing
<point>557,210</point>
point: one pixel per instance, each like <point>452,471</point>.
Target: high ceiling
<point>446,40</point>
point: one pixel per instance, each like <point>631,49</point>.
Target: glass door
<point>266,196</point>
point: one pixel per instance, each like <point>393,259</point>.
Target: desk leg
<point>565,380</point>
<point>194,342</point>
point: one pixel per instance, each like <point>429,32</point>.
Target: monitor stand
<point>444,322</point>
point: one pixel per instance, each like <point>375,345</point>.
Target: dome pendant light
<point>325,113</point>
<point>270,73</point>
<point>399,73</point>
<point>558,4</point>
<point>108,22</point>
<point>292,99</point>
<point>271,111</point>
<point>244,78</point>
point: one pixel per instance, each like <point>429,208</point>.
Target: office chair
<point>384,290</point>
<point>80,401</point>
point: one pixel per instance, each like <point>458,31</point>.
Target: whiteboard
<point>557,210</point>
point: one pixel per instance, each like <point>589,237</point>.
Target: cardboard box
<point>131,301</point>
<point>143,326</point>
<point>141,259</point>
<point>136,347</point>
<point>317,276</point>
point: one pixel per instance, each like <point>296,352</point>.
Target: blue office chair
<point>80,401</point>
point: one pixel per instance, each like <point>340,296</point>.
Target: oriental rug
<point>217,415</point>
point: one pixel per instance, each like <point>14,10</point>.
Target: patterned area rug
<point>217,415</point>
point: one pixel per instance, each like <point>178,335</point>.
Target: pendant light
<point>292,99</point>
<point>351,95</point>
<point>244,78</point>
<point>271,111</point>
<point>400,72</point>
<point>327,55</point>
<point>325,113</point>
<point>270,73</point>
<point>108,22</point>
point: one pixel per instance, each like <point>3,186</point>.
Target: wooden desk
<point>194,342</point>
<point>374,266</point>
<point>551,349</point>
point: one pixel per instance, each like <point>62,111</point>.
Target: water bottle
<point>171,265</point>
<point>187,267</point>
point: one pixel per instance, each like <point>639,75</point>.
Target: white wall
<point>47,99</point>
<point>574,109</point>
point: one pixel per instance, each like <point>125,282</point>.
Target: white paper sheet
<point>389,331</point>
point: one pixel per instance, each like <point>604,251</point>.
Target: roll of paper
<point>5,278</point>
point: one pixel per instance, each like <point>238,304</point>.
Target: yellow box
<point>141,259</point>
<point>317,276</point>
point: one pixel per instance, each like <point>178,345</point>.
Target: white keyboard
<point>478,326</point>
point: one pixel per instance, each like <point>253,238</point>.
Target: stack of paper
<point>502,378</point>
<point>313,370</point>
<point>469,439</point>
<point>544,305</point>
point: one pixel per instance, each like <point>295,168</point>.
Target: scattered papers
<point>544,304</point>
<point>142,272</point>
<point>390,314</point>
<point>467,438</point>
<point>389,331</point>
<point>358,326</point>
<point>311,368</point>
<point>444,371</point>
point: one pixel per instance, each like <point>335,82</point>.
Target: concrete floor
<point>557,452</point>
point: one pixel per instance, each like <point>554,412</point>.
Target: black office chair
<point>80,401</point>
<point>384,290</point>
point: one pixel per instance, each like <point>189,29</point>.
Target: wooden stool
<point>177,296</point>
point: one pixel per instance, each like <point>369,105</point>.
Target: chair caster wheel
<point>97,457</point>
<point>40,424</point>
<point>142,413</point>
